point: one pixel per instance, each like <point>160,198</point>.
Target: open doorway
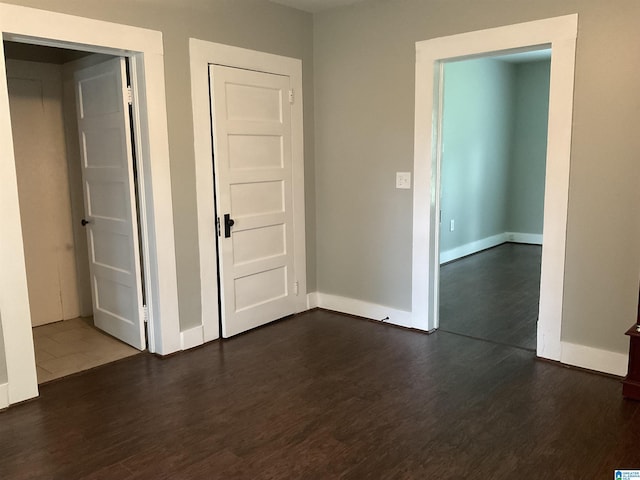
<point>42,100</point>
<point>493,160</point>
<point>559,34</point>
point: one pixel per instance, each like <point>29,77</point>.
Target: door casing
<point>145,50</point>
<point>558,33</point>
<point>202,54</point>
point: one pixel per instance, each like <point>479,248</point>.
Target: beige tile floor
<point>70,346</point>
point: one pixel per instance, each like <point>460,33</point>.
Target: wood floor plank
<point>493,295</point>
<point>322,396</point>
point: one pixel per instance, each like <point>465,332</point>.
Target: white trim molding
<point>527,238</point>
<point>202,54</point>
<point>312,300</point>
<point>489,242</point>
<point>472,247</point>
<point>192,337</point>
<point>594,359</point>
<point>559,34</point>
<point>364,309</point>
<point>4,395</point>
<point>145,48</point>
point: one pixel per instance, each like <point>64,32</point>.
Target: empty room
<point>492,184</point>
<point>267,210</point>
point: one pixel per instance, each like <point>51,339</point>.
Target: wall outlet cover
<point>403,180</point>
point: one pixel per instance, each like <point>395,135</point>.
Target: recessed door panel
<point>256,103</point>
<point>99,95</point>
<point>258,243</point>
<point>112,250</point>
<point>113,299</point>
<point>103,143</point>
<point>107,200</point>
<point>259,288</point>
<point>257,198</point>
<point>255,151</point>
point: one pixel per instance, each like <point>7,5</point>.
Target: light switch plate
<point>403,180</point>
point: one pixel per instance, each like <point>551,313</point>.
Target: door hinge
<point>291,96</point>
<point>296,288</point>
<point>129,95</point>
<point>218,226</point>
<point>145,313</point>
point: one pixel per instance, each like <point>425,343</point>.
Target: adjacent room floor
<point>326,396</point>
<point>71,346</point>
<point>493,295</point>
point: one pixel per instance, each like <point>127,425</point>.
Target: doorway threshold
<point>70,346</point>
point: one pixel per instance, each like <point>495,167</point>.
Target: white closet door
<point>252,157</point>
<point>107,174</point>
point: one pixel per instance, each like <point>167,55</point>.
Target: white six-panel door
<point>107,174</point>
<point>253,178</point>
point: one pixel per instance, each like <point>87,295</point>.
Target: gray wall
<point>364,96</point>
<point>529,148</point>
<point>255,24</point>
<point>477,135</point>
<point>494,141</point>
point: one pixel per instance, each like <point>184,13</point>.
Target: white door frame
<point>144,48</point>
<point>202,54</point>
<point>560,34</point>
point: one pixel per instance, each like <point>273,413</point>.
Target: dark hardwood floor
<point>493,295</point>
<point>322,396</point>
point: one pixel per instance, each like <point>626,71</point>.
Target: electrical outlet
<point>403,180</point>
<point>452,225</point>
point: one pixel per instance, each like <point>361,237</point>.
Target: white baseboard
<point>192,337</point>
<point>570,354</point>
<point>4,395</point>
<point>472,247</point>
<point>594,359</point>
<point>489,242</point>
<point>312,300</point>
<point>365,309</point>
<point>519,237</point>
<point>547,346</point>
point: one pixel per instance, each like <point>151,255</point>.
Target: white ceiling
<point>315,6</point>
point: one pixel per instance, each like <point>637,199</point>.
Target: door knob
<point>228,223</point>
<point>84,222</point>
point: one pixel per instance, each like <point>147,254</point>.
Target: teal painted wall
<point>476,140</point>
<point>494,149</point>
<point>527,178</point>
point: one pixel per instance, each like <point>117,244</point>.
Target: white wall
<point>35,95</point>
